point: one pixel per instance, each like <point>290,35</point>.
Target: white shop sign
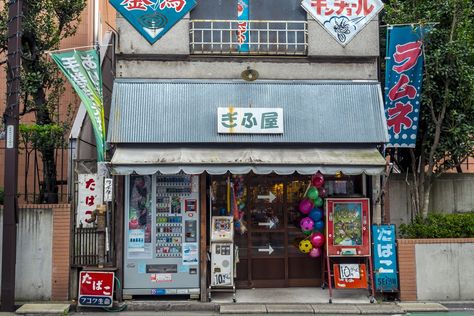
<point>232,120</point>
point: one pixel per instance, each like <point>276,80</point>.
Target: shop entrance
<point>268,249</point>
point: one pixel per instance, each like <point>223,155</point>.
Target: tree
<point>45,24</point>
<point>446,130</point>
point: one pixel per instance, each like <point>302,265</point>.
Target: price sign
<point>222,279</point>
<point>349,271</point>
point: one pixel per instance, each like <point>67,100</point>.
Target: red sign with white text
<point>96,288</point>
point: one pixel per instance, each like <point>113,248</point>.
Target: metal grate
<point>86,243</point>
<point>264,37</point>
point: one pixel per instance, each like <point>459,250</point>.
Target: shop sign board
<point>89,197</point>
<point>350,276</point>
<point>232,120</point>
<point>385,260</point>
<point>153,18</point>
<point>108,183</point>
<point>96,289</point>
<point>343,19</point>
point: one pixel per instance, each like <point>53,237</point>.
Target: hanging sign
<point>153,18</point>
<point>243,25</point>
<point>82,68</point>
<point>250,120</point>
<point>403,79</point>
<point>343,19</point>
<point>385,260</point>
<point>89,197</point>
<point>96,289</point>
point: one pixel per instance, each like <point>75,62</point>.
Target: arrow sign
<point>270,197</point>
<point>269,249</point>
<point>270,224</point>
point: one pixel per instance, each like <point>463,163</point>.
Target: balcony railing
<point>220,37</point>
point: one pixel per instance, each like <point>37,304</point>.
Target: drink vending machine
<point>222,255</point>
<point>162,235</point>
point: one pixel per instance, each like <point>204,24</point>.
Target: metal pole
<point>11,155</point>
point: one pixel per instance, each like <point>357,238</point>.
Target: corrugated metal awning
<point>185,111</point>
<point>283,161</point>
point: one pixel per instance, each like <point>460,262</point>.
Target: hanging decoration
<point>312,224</point>
<point>239,198</point>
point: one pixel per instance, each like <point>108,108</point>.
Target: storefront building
<point>194,136</point>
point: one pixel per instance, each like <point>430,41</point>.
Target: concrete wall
<point>450,193</point>
<point>42,268</point>
<point>326,60</point>
<point>436,269</point>
<point>34,251</point>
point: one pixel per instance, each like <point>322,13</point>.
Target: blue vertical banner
<point>243,10</point>
<point>385,258</point>
<point>403,79</point>
<point>153,18</point>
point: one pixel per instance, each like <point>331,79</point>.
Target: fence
<point>264,37</point>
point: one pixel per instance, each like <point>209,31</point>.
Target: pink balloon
<point>307,224</point>
<point>315,252</point>
<point>322,192</point>
<point>317,239</point>
<point>318,180</point>
<point>306,205</point>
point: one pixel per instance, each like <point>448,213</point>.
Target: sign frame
<point>236,120</point>
<point>84,297</point>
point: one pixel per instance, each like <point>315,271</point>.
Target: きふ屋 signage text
<point>343,19</point>
<point>403,79</point>
<point>385,260</point>
<point>96,289</point>
<point>153,18</point>
<point>250,120</point>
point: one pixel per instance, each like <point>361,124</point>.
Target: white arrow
<point>270,197</point>
<point>270,224</point>
<point>269,250</point>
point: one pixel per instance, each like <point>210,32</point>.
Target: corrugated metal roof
<point>158,111</point>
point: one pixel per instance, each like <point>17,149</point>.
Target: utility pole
<point>11,120</point>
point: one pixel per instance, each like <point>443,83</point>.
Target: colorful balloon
<point>315,252</point>
<point>317,239</point>
<point>322,192</point>
<point>307,232</point>
<point>319,226</point>
<point>319,202</point>
<point>306,205</point>
<point>316,214</point>
<point>318,180</point>
<point>313,193</point>
<point>305,246</point>
<point>307,223</point>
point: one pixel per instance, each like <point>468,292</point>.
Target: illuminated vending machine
<point>162,235</point>
<point>222,254</point>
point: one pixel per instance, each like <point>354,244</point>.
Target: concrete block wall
<point>42,264</point>
<point>436,269</point>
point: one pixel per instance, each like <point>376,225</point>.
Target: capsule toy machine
<point>222,254</point>
<point>162,235</point>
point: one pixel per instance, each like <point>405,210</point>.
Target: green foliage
<point>45,24</point>
<point>449,77</point>
<point>435,225</point>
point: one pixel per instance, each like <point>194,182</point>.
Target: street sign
<point>96,289</point>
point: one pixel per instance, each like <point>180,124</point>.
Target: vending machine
<point>222,254</point>
<point>162,235</point>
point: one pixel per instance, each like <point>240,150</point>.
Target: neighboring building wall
<point>450,193</point>
<point>42,264</point>
<point>453,269</point>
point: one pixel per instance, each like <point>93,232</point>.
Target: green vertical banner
<point>82,68</point>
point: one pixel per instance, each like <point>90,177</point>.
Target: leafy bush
<point>436,225</point>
